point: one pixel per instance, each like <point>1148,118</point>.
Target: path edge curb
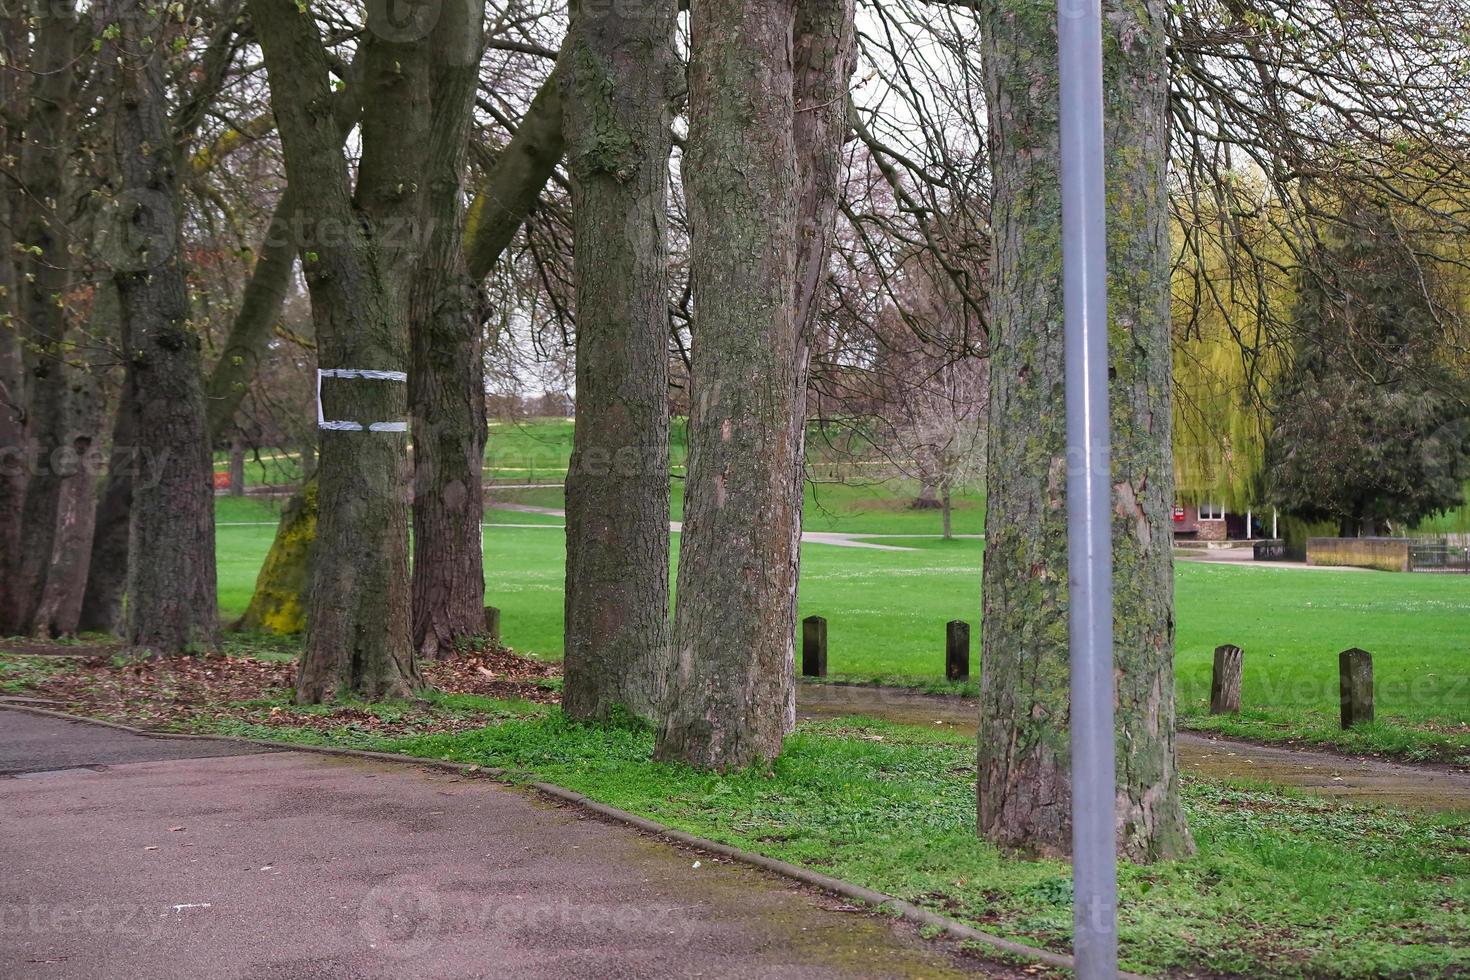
<point>877,900</point>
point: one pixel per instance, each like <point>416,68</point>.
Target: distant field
<point>886,613</point>
<point>887,610</point>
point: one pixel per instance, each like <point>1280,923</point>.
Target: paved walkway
<point>807,537</point>
<point>1429,787</point>
<point>290,866</point>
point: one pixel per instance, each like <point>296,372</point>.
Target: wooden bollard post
<point>957,651</point>
<point>1225,684</point>
<point>492,624</point>
<point>814,647</point>
<point>1355,685</point>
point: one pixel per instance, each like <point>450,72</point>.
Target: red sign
<point>1179,515</point>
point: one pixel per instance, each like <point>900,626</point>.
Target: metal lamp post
<point>1089,533</point>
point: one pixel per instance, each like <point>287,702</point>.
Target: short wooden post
<point>1355,684</point>
<point>814,647</point>
<point>1225,684</point>
<point>957,651</point>
<point>492,624</point>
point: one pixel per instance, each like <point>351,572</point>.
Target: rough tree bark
<point>733,625</point>
<point>58,611</point>
<point>358,639</point>
<point>1024,775</point>
<point>45,286</point>
<point>12,376</point>
<point>229,379</point>
<point>825,57</point>
<point>447,377</point>
<point>620,64</point>
<point>172,606</point>
<point>107,571</point>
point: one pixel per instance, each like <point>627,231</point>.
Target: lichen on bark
<point>1024,761</point>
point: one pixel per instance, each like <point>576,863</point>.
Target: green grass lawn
<point>887,612</point>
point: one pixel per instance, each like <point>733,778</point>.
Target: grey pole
<point>1089,523</point>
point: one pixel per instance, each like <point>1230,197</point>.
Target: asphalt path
<point>131,857</point>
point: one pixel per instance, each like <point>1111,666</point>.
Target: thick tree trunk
<point>617,488</point>
<point>45,285</point>
<point>507,195</point>
<point>447,375</point>
<point>733,627</point>
<point>12,374</point>
<point>1024,776</point>
<point>172,607</point>
<point>356,255</point>
<point>107,572</point>
<point>283,587</point>
<point>58,612</point>
<point>228,380</point>
<point>59,606</point>
<point>825,56</point>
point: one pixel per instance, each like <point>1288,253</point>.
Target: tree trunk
<point>173,607</point>
<point>237,467</point>
<point>58,609</point>
<point>283,587</point>
<point>948,511</point>
<point>733,627</point>
<point>270,279</point>
<point>1024,777</point>
<point>617,487</point>
<point>928,498</point>
<point>508,193</point>
<point>251,329</point>
<point>825,56</point>
<point>12,374</point>
<point>107,572</point>
<point>447,376</point>
<point>356,255</point>
<point>45,286</point>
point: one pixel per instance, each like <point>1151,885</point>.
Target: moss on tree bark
<point>1024,768</point>
<point>619,69</point>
